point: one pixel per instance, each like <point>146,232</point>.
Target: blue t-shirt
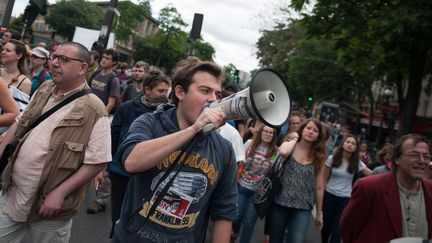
<point>205,187</point>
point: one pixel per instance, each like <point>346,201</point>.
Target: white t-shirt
<point>340,181</point>
<point>231,134</point>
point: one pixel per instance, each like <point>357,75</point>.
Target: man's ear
<point>84,68</point>
<point>146,89</point>
<point>179,92</point>
<point>396,160</point>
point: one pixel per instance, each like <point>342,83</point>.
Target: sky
<point>232,27</point>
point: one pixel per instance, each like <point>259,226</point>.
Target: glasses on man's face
<point>63,59</point>
<point>418,156</point>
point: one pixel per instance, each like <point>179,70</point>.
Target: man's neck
<point>181,119</point>
<point>62,89</point>
<point>106,71</point>
<point>408,183</point>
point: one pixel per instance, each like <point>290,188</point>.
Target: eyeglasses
<point>418,156</point>
<point>63,59</point>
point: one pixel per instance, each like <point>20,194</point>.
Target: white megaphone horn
<point>267,99</point>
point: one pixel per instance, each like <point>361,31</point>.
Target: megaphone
<point>267,99</point>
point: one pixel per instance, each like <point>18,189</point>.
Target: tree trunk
<point>408,109</point>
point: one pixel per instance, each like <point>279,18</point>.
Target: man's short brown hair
<point>185,71</point>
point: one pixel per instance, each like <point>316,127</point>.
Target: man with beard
<point>133,86</point>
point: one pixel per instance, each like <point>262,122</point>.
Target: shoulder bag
<point>270,185</point>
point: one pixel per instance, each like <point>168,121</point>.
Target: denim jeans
<point>247,215</point>
<point>332,211</point>
<point>296,221</point>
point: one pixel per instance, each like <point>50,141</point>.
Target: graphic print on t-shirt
<point>173,209</point>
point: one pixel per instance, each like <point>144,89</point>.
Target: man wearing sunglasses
<point>39,72</point>
<point>396,204</point>
<point>44,182</point>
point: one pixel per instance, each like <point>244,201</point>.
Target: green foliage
<point>131,15</point>
<point>170,20</point>
<point>17,23</point>
<point>309,64</point>
<point>66,14</point>
<point>380,40</point>
<point>171,44</point>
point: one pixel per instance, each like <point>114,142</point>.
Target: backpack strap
<point>92,77</point>
<point>42,76</point>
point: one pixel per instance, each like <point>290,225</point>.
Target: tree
<point>389,39</point>
<point>131,15</point>
<point>66,14</point>
<point>170,44</point>
<point>309,64</point>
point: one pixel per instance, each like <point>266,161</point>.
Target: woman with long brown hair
<point>260,155</point>
<point>339,174</point>
<point>14,72</point>
<point>301,184</point>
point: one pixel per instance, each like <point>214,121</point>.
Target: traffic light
<point>236,75</point>
<point>310,98</point>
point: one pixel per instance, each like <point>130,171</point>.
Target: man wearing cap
<point>39,72</point>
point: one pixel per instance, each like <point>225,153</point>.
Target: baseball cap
<point>40,52</point>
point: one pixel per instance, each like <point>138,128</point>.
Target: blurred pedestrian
<point>39,71</point>
<point>14,71</point>
<point>134,86</point>
<point>339,174</point>
<point>385,160</point>
<point>8,108</point>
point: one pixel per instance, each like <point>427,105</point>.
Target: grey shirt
<point>414,222</point>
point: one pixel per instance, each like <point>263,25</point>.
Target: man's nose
<point>213,97</point>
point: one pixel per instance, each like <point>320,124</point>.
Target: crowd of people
<point>138,139</point>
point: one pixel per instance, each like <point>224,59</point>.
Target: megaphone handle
<point>208,127</point>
